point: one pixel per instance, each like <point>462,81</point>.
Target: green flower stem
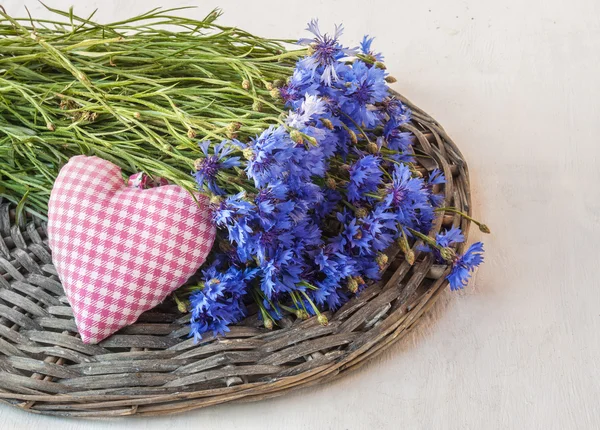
<point>426,239</point>
<point>132,92</point>
<point>483,227</point>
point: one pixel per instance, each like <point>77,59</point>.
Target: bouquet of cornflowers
<point>326,194</point>
<point>304,153</point>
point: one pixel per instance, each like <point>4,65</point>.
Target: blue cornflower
<point>280,274</point>
<point>364,87</point>
<point>326,53</point>
<point>463,266</point>
<point>365,48</point>
<point>300,84</point>
<point>395,109</point>
<point>436,177</point>
<point>311,106</point>
<point>381,226</point>
<point>235,213</point>
<point>353,239</point>
<point>208,167</point>
<point>450,237</point>
<point>270,151</point>
<point>219,303</point>
<point>396,139</point>
<point>405,195</point>
<point>365,177</point>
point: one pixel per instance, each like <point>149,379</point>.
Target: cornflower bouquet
<point>305,153</point>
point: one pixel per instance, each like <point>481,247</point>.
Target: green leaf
<point>20,207</point>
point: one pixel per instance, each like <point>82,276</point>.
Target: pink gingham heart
<point>120,250</point>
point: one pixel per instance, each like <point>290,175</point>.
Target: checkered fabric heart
<point>120,250</point>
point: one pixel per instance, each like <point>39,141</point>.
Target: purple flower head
<point>311,107</point>
<point>396,110</point>
<point>364,87</point>
<point>381,226</point>
<point>365,177</point>
<point>396,139</point>
<point>300,84</point>
<point>326,53</point>
<point>270,151</point>
<point>280,274</point>
<point>208,167</point>
<point>463,266</point>
<point>219,303</point>
<point>405,195</point>
<point>235,214</point>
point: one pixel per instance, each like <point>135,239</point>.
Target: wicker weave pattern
<point>152,368</point>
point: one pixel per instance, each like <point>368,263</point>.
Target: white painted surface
<point>516,83</point>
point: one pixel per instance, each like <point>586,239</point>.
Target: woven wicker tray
<point>153,368</point>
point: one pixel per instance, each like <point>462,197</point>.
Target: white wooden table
<point>517,85</point>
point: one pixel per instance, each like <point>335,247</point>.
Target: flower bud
<point>296,136</point>
<point>212,16</point>
<point>352,285</point>
<point>50,126</point>
<point>353,138</point>
<point>257,106</point>
<point>448,254</point>
<point>268,324</point>
<point>301,314</point>
<point>409,255</point>
<point>328,124</point>
<point>275,93</point>
<point>311,140</point>
<point>191,133</point>
<point>380,65</point>
<point>372,148</point>
<point>322,319</point>
<point>345,167</point>
<point>381,260</point>
<point>269,86</point>
<point>402,244</point>
<point>358,235</point>
<point>235,126</point>
<point>330,182</point>
<point>484,228</point>
<point>248,153</point>
<point>137,115</point>
<point>278,83</point>
<point>181,306</point>
<point>390,79</point>
<point>362,212</point>
<point>246,84</point>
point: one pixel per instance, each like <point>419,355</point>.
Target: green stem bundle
<point>140,93</point>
